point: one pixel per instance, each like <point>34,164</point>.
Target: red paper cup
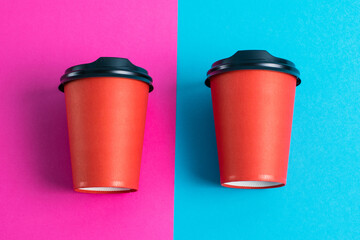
<point>106,105</point>
<point>253,97</point>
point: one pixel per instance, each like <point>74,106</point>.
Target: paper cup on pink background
<point>253,97</point>
<point>106,103</point>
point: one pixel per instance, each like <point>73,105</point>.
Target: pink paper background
<point>38,41</point>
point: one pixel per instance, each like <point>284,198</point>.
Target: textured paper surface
<point>38,41</point>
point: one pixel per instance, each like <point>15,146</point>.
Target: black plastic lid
<point>253,59</point>
<point>106,67</point>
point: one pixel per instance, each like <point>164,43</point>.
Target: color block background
<point>322,196</point>
<point>38,41</point>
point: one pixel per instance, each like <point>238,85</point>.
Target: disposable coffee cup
<point>253,97</point>
<point>106,103</point>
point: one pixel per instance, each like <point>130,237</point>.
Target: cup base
<point>252,184</point>
<point>104,190</point>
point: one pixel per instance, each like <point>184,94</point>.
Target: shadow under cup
<point>106,122</point>
<point>253,108</point>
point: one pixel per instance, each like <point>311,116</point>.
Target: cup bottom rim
<point>104,190</point>
<point>252,184</point>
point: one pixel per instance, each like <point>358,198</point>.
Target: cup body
<point>253,112</point>
<point>106,122</point>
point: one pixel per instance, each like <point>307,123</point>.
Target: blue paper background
<point>322,196</point>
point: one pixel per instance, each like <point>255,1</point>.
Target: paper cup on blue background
<point>253,97</point>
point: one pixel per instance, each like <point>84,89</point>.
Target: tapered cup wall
<point>253,112</point>
<point>106,121</point>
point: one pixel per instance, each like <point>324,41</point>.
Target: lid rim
<point>65,79</point>
<point>257,65</point>
<point>62,84</point>
<point>106,67</point>
<point>207,81</point>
